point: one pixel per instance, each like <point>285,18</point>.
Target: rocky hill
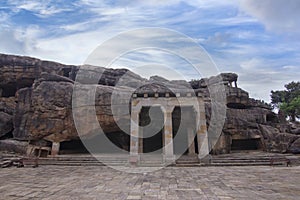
<point>36,107</point>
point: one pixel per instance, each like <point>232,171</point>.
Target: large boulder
<point>276,141</point>
<point>43,110</point>
<point>16,146</point>
<point>19,71</point>
<point>295,147</point>
<point>6,123</point>
<point>7,108</point>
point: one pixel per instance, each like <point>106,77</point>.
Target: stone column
<point>202,137</point>
<point>191,142</point>
<point>134,136</point>
<point>141,140</point>
<point>168,136</point>
<point>55,148</point>
<point>235,84</point>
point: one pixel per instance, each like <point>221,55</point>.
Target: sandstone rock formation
<point>36,105</point>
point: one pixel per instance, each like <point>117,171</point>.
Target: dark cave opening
<point>183,118</point>
<point>236,106</point>
<point>152,123</point>
<point>101,143</point>
<point>272,118</point>
<point>9,90</point>
<point>246,144</point>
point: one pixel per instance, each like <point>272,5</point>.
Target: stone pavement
<point>59,182</point>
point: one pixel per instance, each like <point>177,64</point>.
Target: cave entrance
<point>246,144</point>
<point>151,129</point>
<point>100,143</point>
<point>184,127</point>
<point>8,91</point>
<point>72,147</point>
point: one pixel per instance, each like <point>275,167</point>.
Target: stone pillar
<point>168,136</point>
<point>55,148</point>
<point>202,137</point>
<point>235,84</point>
<point>134,136</point>
<point>191,142</point>
<point>141,140</point>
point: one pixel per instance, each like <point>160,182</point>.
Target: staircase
<point>85,160</point>
<point>156,160</point>
<point>187,161</point>
<point>151,160</point>
<point>249,159</point>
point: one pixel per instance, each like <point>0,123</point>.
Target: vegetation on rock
<point>288,100</point>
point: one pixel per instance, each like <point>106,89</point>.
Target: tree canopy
<point>288,100</point>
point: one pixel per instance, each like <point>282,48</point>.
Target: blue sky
<point>259,40</point>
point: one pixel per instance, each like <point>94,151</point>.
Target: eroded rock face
<point>7,107</point>
<point>276,141</point>
<point>10,145</point>
<point>6,123</point>
<point>295,147</point>
<point>18,72</point>
<point>44,111</point>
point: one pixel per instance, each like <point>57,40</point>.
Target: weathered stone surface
<point>295,128</point>
<point>227,79</point>
<point>6,124</point>
<point>44,110</point>
<point>107,76</point>
<point>295,147</point>
<point>7,107</point>
<point>44,103</point>
<point>13,146</point>
<point>296,131</point>
<point>19,71</point>
<point>275,141</point>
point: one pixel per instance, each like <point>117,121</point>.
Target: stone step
<point>86,163</point>
<point>244,157</point>
<point>249,160</point>
<point>82,159</point>
<point>243,164</point>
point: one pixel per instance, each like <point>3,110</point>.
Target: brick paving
<point>100,182</point>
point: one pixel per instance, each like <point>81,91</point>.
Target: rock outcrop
<point>36,105</point>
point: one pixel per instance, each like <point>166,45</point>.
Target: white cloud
<point>277,15</point>
<point>44,8</point>
<point>259,76</point>
<point>291,67</point>
<point>250,52</point>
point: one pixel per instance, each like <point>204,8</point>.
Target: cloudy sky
<point>259,40</point>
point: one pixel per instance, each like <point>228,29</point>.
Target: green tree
<point>288,100</point>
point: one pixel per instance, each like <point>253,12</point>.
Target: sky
<point>258,40</point>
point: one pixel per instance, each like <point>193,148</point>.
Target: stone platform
<point>251,158</point>
<point>101,182</point>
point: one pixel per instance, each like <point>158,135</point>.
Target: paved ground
<point>50,182</point>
